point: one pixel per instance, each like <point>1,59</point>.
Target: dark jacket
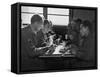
<point>29,54</point>
<point>86,54</point>
<point>87,49</point>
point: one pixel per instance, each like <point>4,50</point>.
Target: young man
<point>87,46</point>
<point>32,39</point>
<point>74,31</point>
<point>49,35</point>
<point>86,51</point>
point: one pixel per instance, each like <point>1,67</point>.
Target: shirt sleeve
<point>30,49</point>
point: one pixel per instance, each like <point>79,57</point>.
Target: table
<point>57,61</point>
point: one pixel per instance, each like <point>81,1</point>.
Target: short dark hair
<point>87,23</point>
<point>79,20</point>
<point>36,18</point>
<point>46,22</point>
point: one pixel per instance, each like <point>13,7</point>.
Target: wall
<point>84,14</point>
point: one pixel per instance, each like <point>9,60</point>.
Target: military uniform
<point>29,55</point>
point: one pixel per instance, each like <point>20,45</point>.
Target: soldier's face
<point>37,26</point>
<point>46,28</point>
<point>84,30</point>
<point>73,24</point>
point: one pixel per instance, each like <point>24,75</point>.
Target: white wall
<point>5,40</point>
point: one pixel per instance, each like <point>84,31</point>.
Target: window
<point>58,16</point>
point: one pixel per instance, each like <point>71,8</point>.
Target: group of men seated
<point>39,38</point>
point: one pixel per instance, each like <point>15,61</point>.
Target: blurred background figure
<point>74,31</point>
<point>86,50</point>
<point>48,35</point>
<point>47,26</point>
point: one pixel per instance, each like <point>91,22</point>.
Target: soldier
<point>32,44</point>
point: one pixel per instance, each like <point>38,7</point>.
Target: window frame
<point>45,14</point>
<point>70,15</point>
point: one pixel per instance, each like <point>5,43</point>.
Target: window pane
<point>58,11</point>
<point>32,9</point>
<point>59,20</point>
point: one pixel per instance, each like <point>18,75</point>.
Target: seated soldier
<point>86,51</point>
<point>49,35</point>
<point>73,31</point>
<point>32,39</point>
<point>87,41</point>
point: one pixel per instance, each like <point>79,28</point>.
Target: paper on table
<point>58,48</point>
